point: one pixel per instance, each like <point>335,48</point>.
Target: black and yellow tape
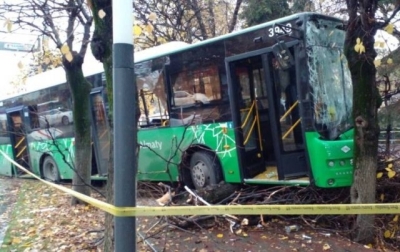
<point>332,209</point>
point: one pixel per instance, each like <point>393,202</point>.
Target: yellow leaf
<point>357,48</point>
<point>391,174</point>
<point>220,235</point>
<point>387,234</point>
<point>362,48</point>
<point>396,218</point>
<point>382,197</point>
<point>264,237</point>
<point>149,28</point>
<point>16,240</point>
<point>161,40</point>
<point>8,24</point>
<point>152,16</point>
<point>390,165</point>
<point>377,44</point>
<point>20,65</point>
<point>389,28</point>
<point>326,246</point>
<point>379,175</point>
<point>65,49</point>
<point>382,44</point>
<point>377,62</point>
<point>101,14</point>
<point>390,61</point>
<point>368,246</point>
<point>137,30</point>
<point>388,169</point>
<point>69,57</point>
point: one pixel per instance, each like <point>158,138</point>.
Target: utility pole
<point>125,124</point>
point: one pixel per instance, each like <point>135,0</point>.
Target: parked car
<point>55,117</point>
<point>185,98</point>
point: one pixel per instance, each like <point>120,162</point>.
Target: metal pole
<point>125,125</point>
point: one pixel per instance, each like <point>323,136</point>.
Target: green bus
<point>269,104</point>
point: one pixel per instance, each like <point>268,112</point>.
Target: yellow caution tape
<point>331,209</point>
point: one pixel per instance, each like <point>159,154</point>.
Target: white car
<point>55,117</point>
<point>185,98</point>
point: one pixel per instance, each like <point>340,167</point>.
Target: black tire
<point>50,170</point>
<point>65,120</point>
<point>204,169</point>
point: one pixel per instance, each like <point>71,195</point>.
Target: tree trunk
<point>109,219</point>
<point>80,89</point>
<point>101,46</point>
<point>365,99</point>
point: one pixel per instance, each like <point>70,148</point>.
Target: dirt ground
<point>270,237</point>
<point>43,220</point>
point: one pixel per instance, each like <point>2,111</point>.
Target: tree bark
<point>80,89</point>
<point>365,99</point>
<point>101,46</point>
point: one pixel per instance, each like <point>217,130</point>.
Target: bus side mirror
<point>283,55</point>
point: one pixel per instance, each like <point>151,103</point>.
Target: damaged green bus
<point>270,104</point>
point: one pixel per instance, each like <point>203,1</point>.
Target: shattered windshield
<point>330,79</point>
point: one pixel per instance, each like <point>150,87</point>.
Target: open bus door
<point>101,130</point>
<point>266,116</point>
<point>18,137</point>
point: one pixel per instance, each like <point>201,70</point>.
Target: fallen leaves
<point>44,220</point>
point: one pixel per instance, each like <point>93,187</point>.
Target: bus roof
<point>57,76</point>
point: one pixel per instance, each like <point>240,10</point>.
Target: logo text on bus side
<point>278,30</point>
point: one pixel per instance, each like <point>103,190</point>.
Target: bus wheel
<point>204,169</point>
<point>50,170</point>
<point>65,120</point>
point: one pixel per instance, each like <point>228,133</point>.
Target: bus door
<point>267,115</point>
<point>101,130</point>
<point>285,118</point>
<point>18,137</point>
<point>249,105</point>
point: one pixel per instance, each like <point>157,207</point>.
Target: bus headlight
<point>342,162</point>
<point>331,181</point>
<point>331,163</point>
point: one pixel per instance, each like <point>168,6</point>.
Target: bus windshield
<point>330,80</point>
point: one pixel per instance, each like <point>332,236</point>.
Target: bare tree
<point>67,23</point>
<point>189,21</point>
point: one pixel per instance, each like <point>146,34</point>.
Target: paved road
<point>8,190</point>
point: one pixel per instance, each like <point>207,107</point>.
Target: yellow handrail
<point>19,143</point>
<point>249,133</point>
<point>256,120</point>
<point>21,151</point>
<point>248,115</point>
<point>288,111</point>
<point>291,129</point>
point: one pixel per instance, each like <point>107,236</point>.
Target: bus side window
<point>196,96</point>
<point>152,99</point>
<point>33,117</point>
